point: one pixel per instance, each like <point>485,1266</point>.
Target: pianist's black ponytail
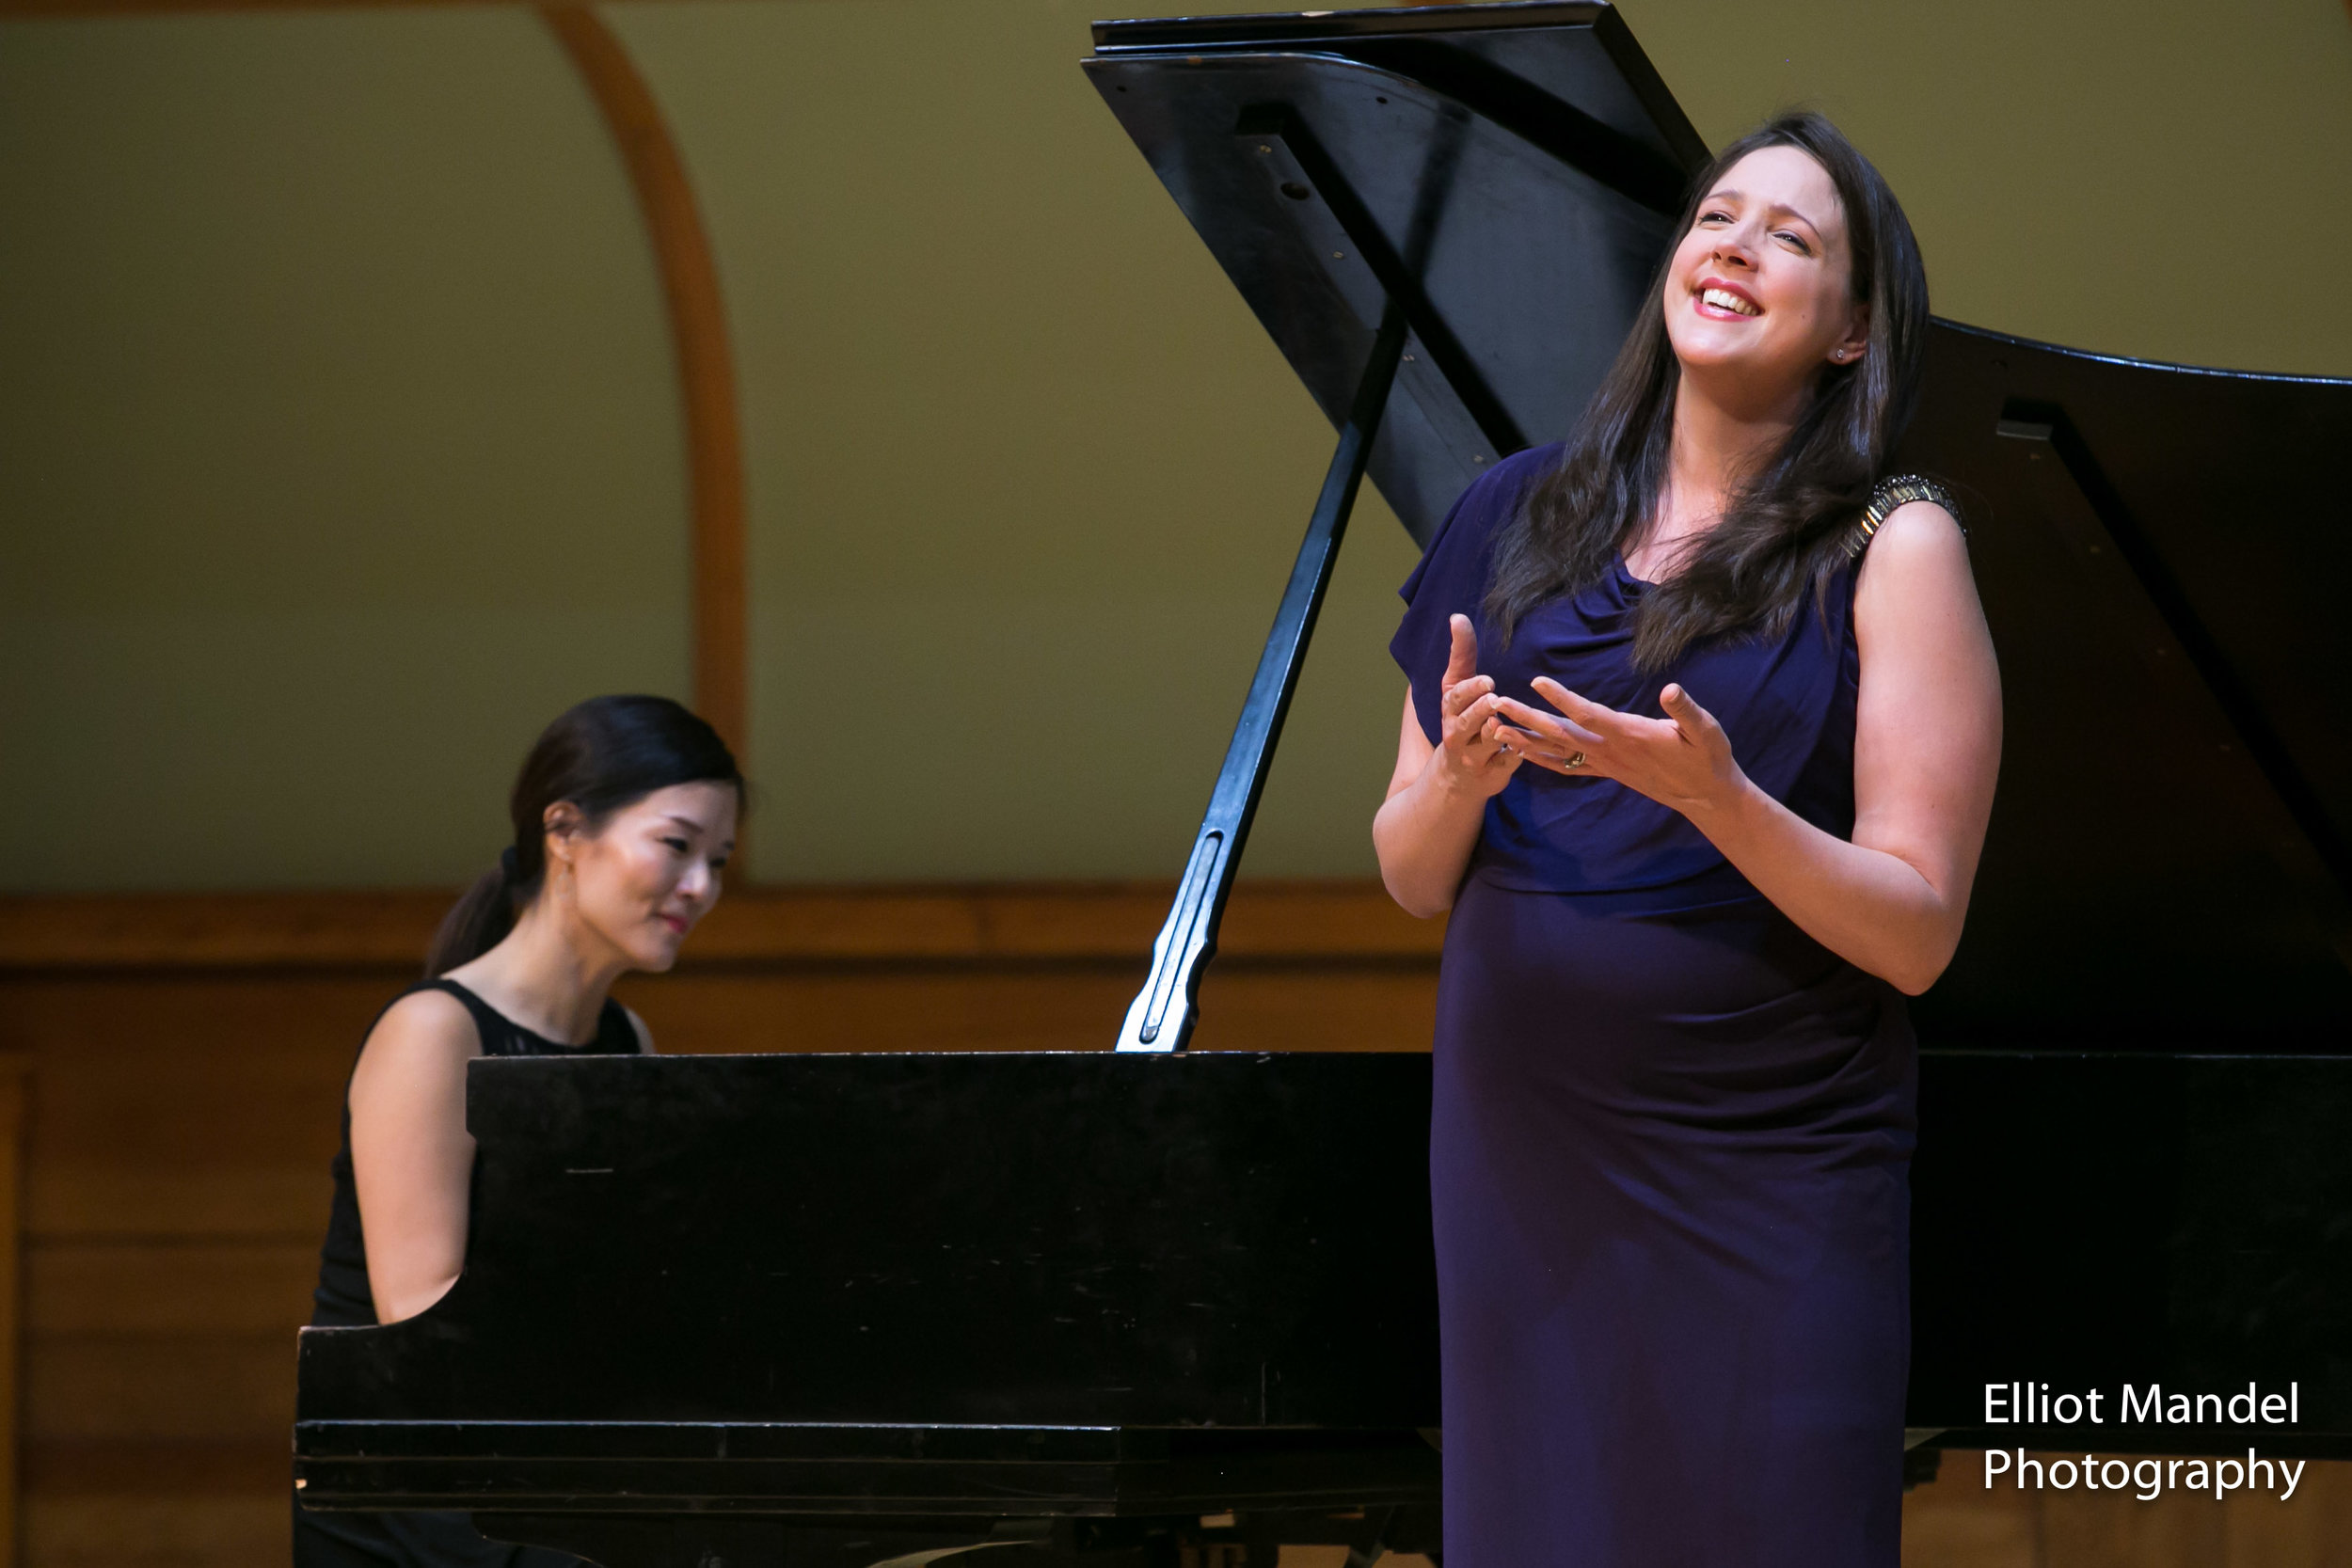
<point>1784,536</point>
<point>607,754</point>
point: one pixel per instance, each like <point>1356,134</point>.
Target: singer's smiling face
<point>1762,284</point>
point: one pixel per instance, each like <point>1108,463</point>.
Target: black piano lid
<point>2154,544</point>
<point>2171,858</point>
<point>1323,156</point>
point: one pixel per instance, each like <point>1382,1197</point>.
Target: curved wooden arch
<point>698,328</point>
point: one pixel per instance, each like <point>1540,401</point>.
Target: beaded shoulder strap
<point>1896,492</point>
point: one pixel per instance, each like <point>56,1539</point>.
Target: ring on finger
<point>1573,760</point>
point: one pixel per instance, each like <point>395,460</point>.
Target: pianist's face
<point>1760,296</point>
<point>651,871</point>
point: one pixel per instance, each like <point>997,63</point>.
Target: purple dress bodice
<point>1786,703</point>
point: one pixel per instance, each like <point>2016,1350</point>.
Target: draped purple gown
<point>1669,1155</point>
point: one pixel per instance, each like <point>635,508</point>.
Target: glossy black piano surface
<point>838,1309</point>
<point>936,1286</point>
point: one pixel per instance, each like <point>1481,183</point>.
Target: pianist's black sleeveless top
<point>343,1299</point>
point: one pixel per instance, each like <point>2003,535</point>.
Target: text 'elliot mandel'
<point>2032,1404</point>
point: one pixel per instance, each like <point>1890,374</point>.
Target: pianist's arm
<point>411,1157</point>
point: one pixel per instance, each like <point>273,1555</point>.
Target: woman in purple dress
<point>1699,748</point>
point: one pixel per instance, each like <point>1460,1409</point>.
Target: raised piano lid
<point>1459,132</point>
<point>2167,866</point>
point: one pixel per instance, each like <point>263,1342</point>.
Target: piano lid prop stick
<point>1164,1011</point>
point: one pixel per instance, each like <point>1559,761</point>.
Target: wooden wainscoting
<point>1957,1522</point>
<point>185,1060</point>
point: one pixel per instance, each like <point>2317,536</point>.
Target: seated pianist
<point>624,816</point>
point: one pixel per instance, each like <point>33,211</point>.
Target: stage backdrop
<point>375,380</point>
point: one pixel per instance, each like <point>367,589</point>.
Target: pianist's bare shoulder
<point>410,1153</point>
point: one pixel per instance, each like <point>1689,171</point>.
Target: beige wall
<point>339,442</point>
<point>2153,178</point>
<point>1026,476</point>
<point>339,435</point>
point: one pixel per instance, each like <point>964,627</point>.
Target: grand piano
<point>1152,1307</point>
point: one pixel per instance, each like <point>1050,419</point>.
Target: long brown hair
<point>1785,533</point>
<point>602,755</point>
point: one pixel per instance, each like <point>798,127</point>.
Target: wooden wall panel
<point>2175,1530</point>
<point>175,1105</point>
<point>186,1060</point>
<point>1957,1522</point>
<point>885,1008</point>
<point>312,933</point>
<point>2315,1528</point>
<point>1954,1522</point>
<point>148,1287</point>
<point>14,1070</point>
<point>1017,1007</point>
<point>208,1386</point>
<point>154,1527</point>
